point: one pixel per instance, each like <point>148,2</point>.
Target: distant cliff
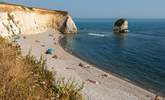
<point>16,19</point>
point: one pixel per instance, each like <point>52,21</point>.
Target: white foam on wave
<point>95,34</point>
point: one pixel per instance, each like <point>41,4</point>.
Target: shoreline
<point>97,86</point>
<point>62,43</point>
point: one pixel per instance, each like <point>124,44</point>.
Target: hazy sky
<point>103,8</point>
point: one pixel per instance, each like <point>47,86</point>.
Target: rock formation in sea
<point>17,19</point>
<point>121,26</point>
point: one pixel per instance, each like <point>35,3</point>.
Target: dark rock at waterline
<point>120,26</point>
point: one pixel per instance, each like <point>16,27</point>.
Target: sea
<point>137,56</point>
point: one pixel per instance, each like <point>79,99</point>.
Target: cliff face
<point>15,19</point>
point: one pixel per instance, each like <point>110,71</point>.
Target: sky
<point>102,8</point>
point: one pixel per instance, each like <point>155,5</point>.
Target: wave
<point>98,35</point>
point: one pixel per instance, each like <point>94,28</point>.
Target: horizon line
<point>114,18</point>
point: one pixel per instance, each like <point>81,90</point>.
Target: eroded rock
<point>16,19</point>
<point>121,26</point>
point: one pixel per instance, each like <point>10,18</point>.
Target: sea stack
<point>120,26</point>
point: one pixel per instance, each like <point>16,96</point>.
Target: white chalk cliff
<point>16,19</point>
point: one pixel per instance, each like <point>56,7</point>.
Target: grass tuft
<point>28,78</point>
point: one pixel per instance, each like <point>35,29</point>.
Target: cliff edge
<point>17,19</point>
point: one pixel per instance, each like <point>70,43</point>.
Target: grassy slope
<point>26,78</point>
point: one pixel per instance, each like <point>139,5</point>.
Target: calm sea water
<point>138,56</point>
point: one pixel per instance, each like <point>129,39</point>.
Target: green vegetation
<point>25,78</point>
<point>119,22</point>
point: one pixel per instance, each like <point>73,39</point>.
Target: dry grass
<point>9,7</point>
<point>25,78</point>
